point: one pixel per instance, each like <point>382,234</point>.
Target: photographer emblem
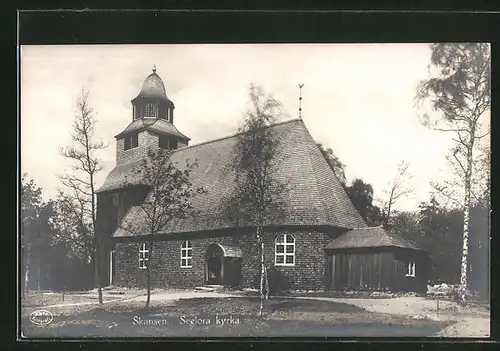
<point>41,317</point>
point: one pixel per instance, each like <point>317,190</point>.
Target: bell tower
<point>151,127</point>
<point>152,101</point>
<point>152,124</point>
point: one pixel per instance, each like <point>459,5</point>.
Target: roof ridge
<point>313,170</point>
<point>234,135</point>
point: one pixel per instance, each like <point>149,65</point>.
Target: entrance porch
<point>223,265</point>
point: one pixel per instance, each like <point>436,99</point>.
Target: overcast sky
<point>357,100</point>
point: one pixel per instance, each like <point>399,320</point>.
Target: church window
<point>150,110</point>
<point>410,266</point>
<point>131,141</point>
<point>163,142</point>
<point>143,256</point>
<point>284,250</point>
<point>186,254</point>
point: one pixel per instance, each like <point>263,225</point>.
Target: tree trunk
<point>266,280</point>
<point>94,222</point>
<point>97,253</point>
<point>27,268</point>
<point>262,270</point>
<point>38,274</point>
<point>148,273</point>
<point>465,245</point>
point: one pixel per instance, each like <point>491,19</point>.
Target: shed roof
<point>316,196</point>
<point>369,237</point>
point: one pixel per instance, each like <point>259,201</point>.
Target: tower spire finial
<point>300,100</point>
<point>154,68</point>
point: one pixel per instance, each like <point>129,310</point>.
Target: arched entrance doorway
<point>214,265</point>
<point>222,265</point>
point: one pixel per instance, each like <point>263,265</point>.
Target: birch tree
<point>258,196</point>
<point>459,93</point>
<point>170,195</point>
<point>80,182</point>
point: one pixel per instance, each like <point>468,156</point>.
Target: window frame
<point>164,138</point>
<point>173,144</point>
<point>410,266</point>
<point>150,107</point>
<point>285,252</point>
<point>186,254</point>
<point>130,141</point>
<point>143,260</point>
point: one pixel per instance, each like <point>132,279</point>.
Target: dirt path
<point>138,296</point>
<point>176,295</point>
<point>470,321</point>
<point>468,327</point>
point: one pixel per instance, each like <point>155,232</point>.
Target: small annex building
<point>321,243</point>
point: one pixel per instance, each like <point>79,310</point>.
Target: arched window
<point>284,250</point>
<point>186,254</point>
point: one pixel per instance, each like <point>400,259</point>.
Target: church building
<point>322,243</point>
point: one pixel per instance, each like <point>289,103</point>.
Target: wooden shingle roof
<point>369,237</point>
<point>153,124</point>
<point>316,197</point>
<point>153,87</point>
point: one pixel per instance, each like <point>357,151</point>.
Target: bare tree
<point>72,228</point>
<point>460,89</point>
<point>258,195</point>
<point>398,188</point>
<point>80,183</point>
<point>170,194</point>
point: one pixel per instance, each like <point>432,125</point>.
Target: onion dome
<point>153,87</point>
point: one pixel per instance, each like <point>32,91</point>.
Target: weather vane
<point>300,100</point>
<point>154,68</point>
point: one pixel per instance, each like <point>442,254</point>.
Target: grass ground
<point>226,316</point>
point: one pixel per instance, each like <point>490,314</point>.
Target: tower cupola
<point>152,101</point>
<point>152,124</point>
